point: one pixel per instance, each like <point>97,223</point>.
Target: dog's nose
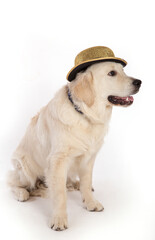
<point>137,82</point>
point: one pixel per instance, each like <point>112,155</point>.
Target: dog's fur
<point>60,144</point>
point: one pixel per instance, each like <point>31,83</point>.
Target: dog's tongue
<point>129,98</point>
<point>121,100</point>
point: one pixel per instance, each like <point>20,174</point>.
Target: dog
<point>63,139</point>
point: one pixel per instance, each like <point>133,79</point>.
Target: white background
<point>38,43</point>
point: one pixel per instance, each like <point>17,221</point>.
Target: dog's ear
<point>84,89</point>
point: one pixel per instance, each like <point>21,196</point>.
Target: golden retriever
<point>62,141</point>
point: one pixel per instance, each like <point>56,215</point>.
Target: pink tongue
<point>129,98</point>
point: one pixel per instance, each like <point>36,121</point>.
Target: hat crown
<point>93,53</point>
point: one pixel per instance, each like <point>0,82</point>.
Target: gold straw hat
<point>90,56</point>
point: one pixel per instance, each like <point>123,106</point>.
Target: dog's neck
<point>95,114</point>
<point>77,108</point>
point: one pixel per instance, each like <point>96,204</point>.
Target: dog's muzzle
<point>128,100</point>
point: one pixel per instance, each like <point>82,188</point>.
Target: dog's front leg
<point>90,202</point>
<point>56,179</point>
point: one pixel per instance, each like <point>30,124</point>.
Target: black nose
<point>137,82</point>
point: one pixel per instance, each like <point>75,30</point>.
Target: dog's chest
<point>92,135</point>
<point>89,139</point>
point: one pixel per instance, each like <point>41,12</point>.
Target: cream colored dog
<point>62,141</point>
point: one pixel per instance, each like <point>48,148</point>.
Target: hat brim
<point>72,73</point>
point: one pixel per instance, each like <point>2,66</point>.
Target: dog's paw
<point>73,186</point>
<point>93,206</point>
<point>21,194</point>
<point>58,223</point>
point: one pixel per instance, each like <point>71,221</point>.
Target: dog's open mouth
<point>126,101</point>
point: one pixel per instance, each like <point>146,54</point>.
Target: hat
<point>90,56</point>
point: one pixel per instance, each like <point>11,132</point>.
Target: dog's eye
<point>112,73</point>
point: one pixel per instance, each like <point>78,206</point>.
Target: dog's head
<point>106,82</point>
